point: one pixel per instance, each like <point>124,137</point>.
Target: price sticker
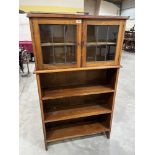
<point>78,21</point>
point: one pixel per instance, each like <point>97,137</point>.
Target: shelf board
<point>100,43</point>
<point>78,91</point>
<point>75,69</point>
<point>77,112</point>
<point>57,44</point>
<point>74,130</point>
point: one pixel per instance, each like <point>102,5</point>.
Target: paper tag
<point>78,21</point>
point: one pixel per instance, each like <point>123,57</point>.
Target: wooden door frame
<point>116,61</point>
<point>38,51</point>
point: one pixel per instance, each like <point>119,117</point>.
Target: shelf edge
<point>74,69</point>
<point>75,117</point>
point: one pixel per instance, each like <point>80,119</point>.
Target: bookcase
<point>77,60</point>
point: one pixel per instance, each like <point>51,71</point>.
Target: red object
<point>27,45</point>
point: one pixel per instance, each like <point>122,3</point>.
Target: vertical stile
<point>53,44</point>
<point>65,28</point>
<point>107,43</point>
<point>96,35</point>
<point>72,53</point>
<point>109,51</point>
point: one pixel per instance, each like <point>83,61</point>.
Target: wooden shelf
<point>77,112</point>
<point>100,43</point>
<point>78,91</point>
<point>57,44</point>
<point>74,130</point>
<point>76,69</point>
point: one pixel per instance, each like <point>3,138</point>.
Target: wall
<point>89,6</point>
<point>24,28</point>
<point>51,5</point>
<point>44,6</point>
<point>128,9</point>
<point>107,8</point>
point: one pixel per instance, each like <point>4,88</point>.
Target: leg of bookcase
<point>107,134</point>
<point>46,148</point>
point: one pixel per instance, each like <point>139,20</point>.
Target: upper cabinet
<point>72,42</point>
<point>101,42</point>
<point>58,43</point>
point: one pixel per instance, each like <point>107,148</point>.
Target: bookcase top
<point>75,16</point>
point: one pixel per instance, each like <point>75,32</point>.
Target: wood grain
<point>80,91</point>
<point>41,108</point>
<point>76,69</point>
<point>74,16</point>
<point>76,130</point>
<point>77,112</point>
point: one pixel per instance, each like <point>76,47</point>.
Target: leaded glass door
<point>59,43</point>
<point>101,43</point>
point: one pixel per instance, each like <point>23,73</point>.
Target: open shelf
<point>79,91</point>
<point>77,112</point>
<point>57,44</point>
<point>81,83</point>
<point>76,69</point>
<point>66,132</point>
<point>100,43</point>
<point>75,129</point>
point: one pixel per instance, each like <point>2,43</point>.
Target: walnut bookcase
<point>77,59</point>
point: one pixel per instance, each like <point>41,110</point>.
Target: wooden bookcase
<point>77,59</point>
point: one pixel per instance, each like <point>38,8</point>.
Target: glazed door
<point>102,41</point>
<point>58,43</point>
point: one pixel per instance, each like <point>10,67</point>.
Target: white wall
<point>128,9</point>
<point>65,3</point>
<point>24,28</point>
<point>107,8</point>
<point>89,6</point>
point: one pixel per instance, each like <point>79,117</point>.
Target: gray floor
<point>122,136</point>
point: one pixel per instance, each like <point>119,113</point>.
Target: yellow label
<point>78,21</point>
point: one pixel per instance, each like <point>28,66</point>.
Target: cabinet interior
<point>77,127</point>
<point>104,100</point>
<point>62,80</point>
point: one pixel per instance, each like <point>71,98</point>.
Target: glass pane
<point>59,54</point>
<point>91,36</point>
<point>70,54</point>
<point>102,33</point>
<point>47,55</point>
<point>111,52</point>
<point>58,33</point>
<point>101,54</point>
<point>58,43</point>
<point>91,53</point>
<point>45,33</point>
<point>113,33</point>
<point>101,42</point>
<point>70,33</point>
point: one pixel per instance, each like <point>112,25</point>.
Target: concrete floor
<point>122,135</point>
